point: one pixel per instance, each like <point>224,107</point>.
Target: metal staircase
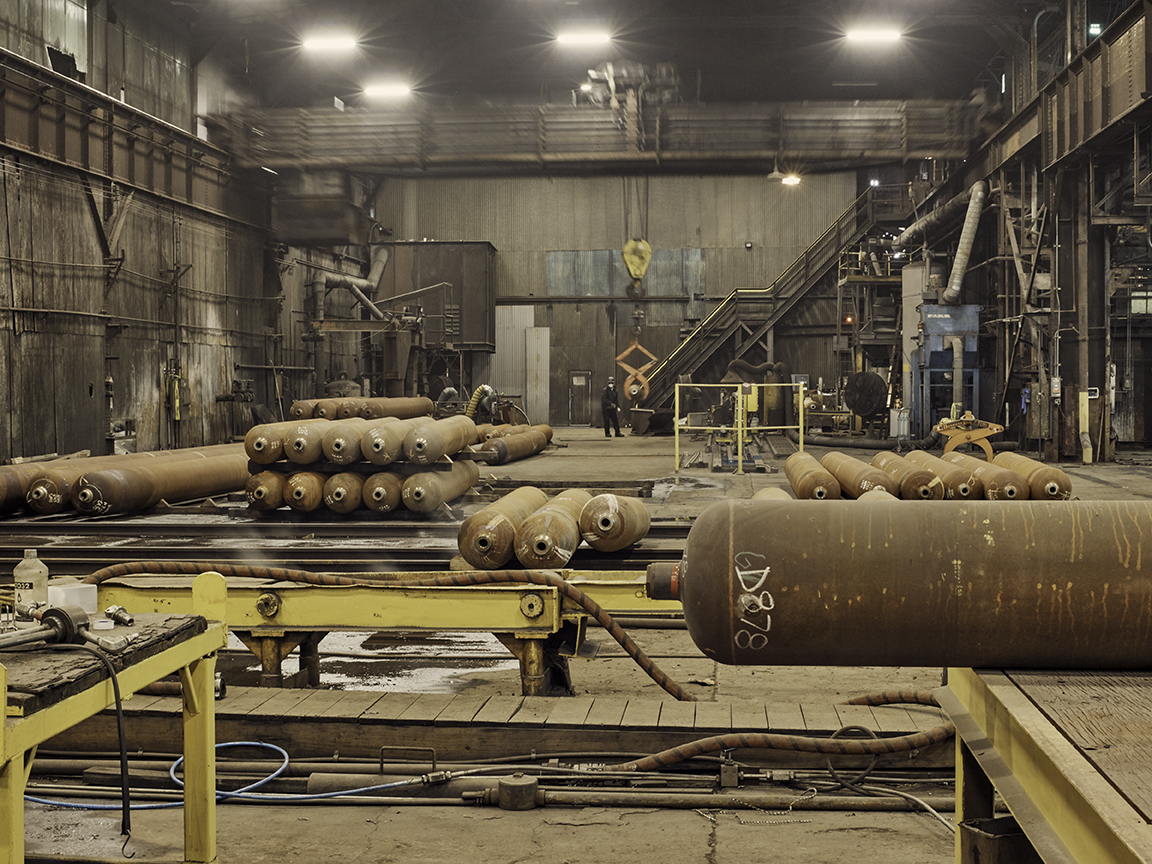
<point>747,314</point>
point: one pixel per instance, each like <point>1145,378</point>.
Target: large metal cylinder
<point>383,440</point>
<point>545,430</point>
<point>264,444</point>
<point>960,484</point>
<point>487,538</point>
<point>772,493</point>
<point>916,483</point>
<point>609,523</point>
<point>856,477</point>
<point>1000,484</point>
<point>327,409</point>
<point>302,409</point>
<point>508,430</point>
<point>304,491</point>
<point>341,443</point>
<point>424,492</point>
<point>548,538</point>
<point>265,491</point>
<point>304,442</point>
<point>509,448</point>
<point>1038,585</point>
<point>401,407</point>
<point>1045,482</point>
<point>350,407</point>
<point>429,442</point>
<point>343,492</point>
<point>120,490</point>
<point>382,491</point>
<point>810,479</point>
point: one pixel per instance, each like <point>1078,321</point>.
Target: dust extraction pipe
<point>957,370</point>
<point>326,279</point>
<point>967,238</point>
<point>1027,585</point>
<point>938,218</point>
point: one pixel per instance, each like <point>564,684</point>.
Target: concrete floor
<point>433,834</point>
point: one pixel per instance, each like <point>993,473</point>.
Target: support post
<point>209,598</point>
<point>11,792</point>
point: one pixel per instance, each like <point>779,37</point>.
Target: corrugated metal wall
<point>559,235</point>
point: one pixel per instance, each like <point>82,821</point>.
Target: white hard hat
<point>611,380</point>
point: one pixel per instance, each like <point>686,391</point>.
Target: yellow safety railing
<point>741,396</point>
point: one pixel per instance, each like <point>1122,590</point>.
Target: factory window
<point>1140,302</point>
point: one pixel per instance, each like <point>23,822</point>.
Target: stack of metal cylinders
<point>548,538</point>
<point>357,463</point>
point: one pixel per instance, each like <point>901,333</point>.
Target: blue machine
<point>932,364</point>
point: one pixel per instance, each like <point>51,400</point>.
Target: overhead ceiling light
<point>791,180</point>
<point>873,35</point>
<point>586,87</point>
<point>585,37</point>
<point>329,44</point>
<point>387,91</point>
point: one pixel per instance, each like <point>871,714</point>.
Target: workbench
<point>1069,752</point>
<point>47,691</point>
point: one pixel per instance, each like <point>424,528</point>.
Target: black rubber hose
<point>463,578</point>
<point>929,442</point>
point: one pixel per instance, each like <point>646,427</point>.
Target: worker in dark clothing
<point>610,408</point>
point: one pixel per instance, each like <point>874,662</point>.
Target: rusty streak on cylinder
<point>265,491</point>
<point>343,492</point>
<point>810,479</point>
<point>548,538</point>
<point>609,523</point>
<point>1000,484</point>
<point>959,482</point>
<point>424,492</point>
<point>1033,585</point>
<point>1045,482</point>
<point>856,477</point>
<point>487,538</point>
<point>341,443</point>
<point>916,483</point>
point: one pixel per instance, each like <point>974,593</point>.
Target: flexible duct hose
<point>964,248</point>
<point>477,395</point>
<point>957,370</point>
<point>834,746</point>
<point>464,578</point>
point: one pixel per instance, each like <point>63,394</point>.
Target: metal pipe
<point>957,371</point>
<point>743,800</point>
<point>967,239</point>
<point>1028,585</point>
<point>941,216</point>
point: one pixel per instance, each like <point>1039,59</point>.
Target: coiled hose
<point>834,746</point>
<point>477,395</point>
<point>463,578</point>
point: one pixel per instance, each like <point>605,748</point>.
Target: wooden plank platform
<point>469,726</point>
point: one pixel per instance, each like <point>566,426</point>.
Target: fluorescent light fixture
<point>1095,29</point>
<point>791,180</point>
<point>330,44</point>
<point>584,37</point>
<point>387,91</point>
<point>873,35</point>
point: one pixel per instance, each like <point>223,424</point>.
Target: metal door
<point>580,398</point>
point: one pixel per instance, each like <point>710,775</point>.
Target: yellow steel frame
<point>195,659</point>
<point>1068,811</point>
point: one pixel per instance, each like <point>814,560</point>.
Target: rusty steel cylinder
<point>1000,484</point>
<point>878,494</point>
<point>482,430</point>
<point>916,483</point>
<point>856,477</point>
<point>487,538</point>
<point>304,442</point>
<point>609,523</point>
<point>772,493</point>
<point>343,492</point>
<point>509,448</point>
<point>16,480</point>
<point>429,442</point>
<point>265,491</point>
<point>302,409</point>
<point>304,491</point>
<point>513,429</point>
<point>327,409</point>
<point>496,431</point>
<point>350,407</point>
<point>53,491</point>
<point>400,407</point>
<point>424,492</point>
<point>341,443</point>
<point>264,444</point>
<point>545,430</point>
<point>960,484</point>
<point>810,479</point>
<point>1045,482</point>
<point>121,490</point>
<point>382,491</point>
<point>1041,585</point>
<point>383,440</point>
<point>549,536</point>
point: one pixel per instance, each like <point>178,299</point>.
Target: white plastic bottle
<point>31,579</point>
